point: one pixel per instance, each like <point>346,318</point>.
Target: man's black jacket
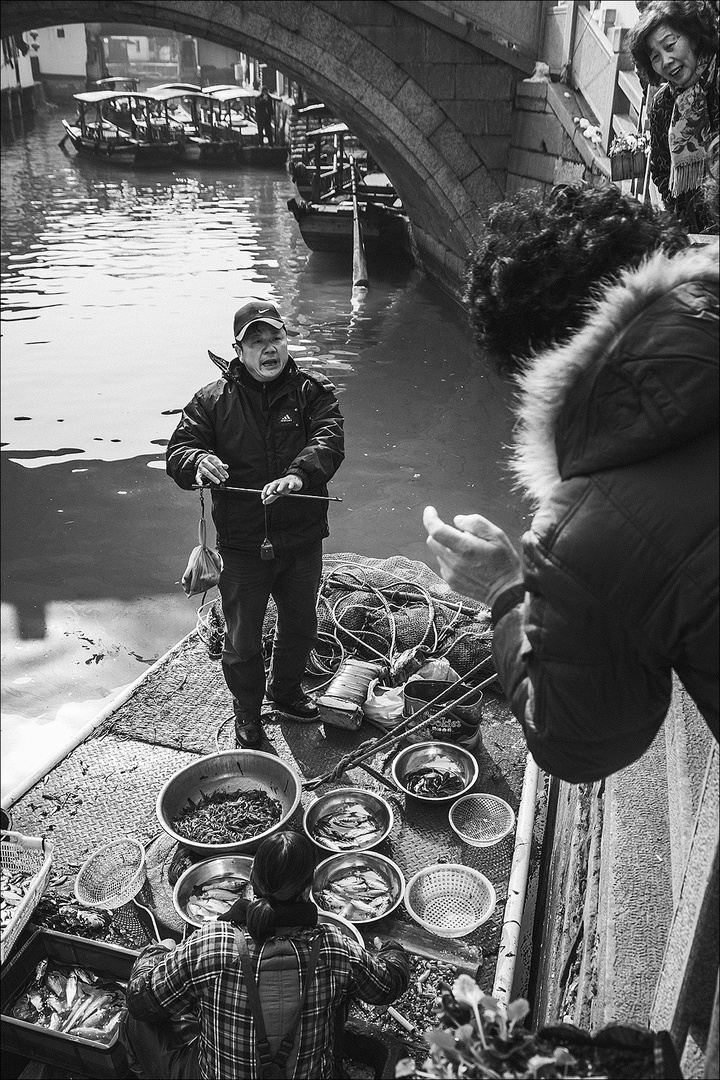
<point>263,431</point>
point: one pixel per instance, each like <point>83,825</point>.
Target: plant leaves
<point>465,989</point>
<point>517,1011</point>
<point>444,1042</point>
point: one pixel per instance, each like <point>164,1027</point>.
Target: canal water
<point>115,285</point>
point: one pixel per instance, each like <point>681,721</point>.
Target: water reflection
<point>115,286</point>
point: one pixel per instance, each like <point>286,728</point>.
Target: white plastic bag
<point>438,670</point>
<point>204,565</point>
<point>384,704</point>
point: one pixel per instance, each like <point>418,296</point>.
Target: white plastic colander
<point>450,899</point>
<point>481,820</point>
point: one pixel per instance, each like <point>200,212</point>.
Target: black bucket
<point>5,820</point>
<point>461,723</point>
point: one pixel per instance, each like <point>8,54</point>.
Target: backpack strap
<point>270,1066</point>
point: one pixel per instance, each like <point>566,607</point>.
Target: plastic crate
<point>33,855</point>
<point>104,1062</point>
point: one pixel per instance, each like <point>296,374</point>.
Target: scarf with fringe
<point>689,133</point>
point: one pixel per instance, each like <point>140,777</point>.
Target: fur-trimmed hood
<point>640,377</point>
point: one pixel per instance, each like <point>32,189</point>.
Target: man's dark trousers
<point>246,584</point>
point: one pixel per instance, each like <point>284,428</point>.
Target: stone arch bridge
<point>427,91</point>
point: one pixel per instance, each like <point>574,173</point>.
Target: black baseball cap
<point>255,311</point>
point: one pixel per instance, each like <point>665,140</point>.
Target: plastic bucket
<point>460,725</point>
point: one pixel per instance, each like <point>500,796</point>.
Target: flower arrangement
<point>629,144</point>
<point>480,1038</point>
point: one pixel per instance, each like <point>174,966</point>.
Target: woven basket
<point>450,899</point>
<point>481,820</point>
<point>31,855</point>
<point>113,875</point>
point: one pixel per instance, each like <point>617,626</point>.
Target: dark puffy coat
<point>263,431</point>
<point>618,447</point>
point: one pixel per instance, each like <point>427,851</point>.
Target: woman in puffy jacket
<point>610,329</point>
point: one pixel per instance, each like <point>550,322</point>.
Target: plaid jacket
<point>202,977</point>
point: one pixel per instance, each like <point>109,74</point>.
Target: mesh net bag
<point>378,608</point>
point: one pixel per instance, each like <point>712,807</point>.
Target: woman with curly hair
<point>609,323</point>
<point>675,43</point>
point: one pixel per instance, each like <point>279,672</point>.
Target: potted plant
<point>479,1037</point>
<point>628,156</point>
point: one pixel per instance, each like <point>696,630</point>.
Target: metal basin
<point>203,873</point>
<point>336,800</point>
<point>338,866</point>
<point>443,756</point>
<point>342,924</point>
<point>232,771</point>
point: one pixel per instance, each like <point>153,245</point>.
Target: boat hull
<point>329,227</point>
<point>123,151</point>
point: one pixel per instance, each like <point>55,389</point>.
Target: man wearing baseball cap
<point>266,425</point>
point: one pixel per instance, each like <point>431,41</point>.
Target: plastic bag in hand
<point>204,566</point>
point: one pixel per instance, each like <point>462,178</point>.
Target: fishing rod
<point>258,491</point>
<point>405,727</point>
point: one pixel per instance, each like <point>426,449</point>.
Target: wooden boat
<point>123,127</point>
<point>323,207</point>
<point>175,714</point>
<point>235,122</point>
<point>193,112</point>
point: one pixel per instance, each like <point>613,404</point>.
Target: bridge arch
<point>433,109</point>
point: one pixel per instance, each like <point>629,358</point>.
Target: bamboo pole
<point>360,274</point>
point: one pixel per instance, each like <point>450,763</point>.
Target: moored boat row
<point>169,123</point>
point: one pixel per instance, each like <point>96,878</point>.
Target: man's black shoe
<point>301,708</point>
<point>248,734</point>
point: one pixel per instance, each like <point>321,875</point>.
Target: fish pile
<point>226,817</point>
<point>435,781</point>
<point>72,1000</point>
<point>348,826</point>
<point>14,887</point>
<point>216,896</point>
<point>362,894</point>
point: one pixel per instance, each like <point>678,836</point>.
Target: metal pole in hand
<point>258,491</point>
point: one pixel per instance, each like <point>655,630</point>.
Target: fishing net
<point>376,609</point>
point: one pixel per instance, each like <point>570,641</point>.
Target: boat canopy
<point>174,86</point>
<point>100,95</point>
<point>332,129</point>
<point>167,93</point>
<point>230,93</point>
<point>113,80</point>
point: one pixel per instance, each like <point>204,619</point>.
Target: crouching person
<point>262,992</point>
